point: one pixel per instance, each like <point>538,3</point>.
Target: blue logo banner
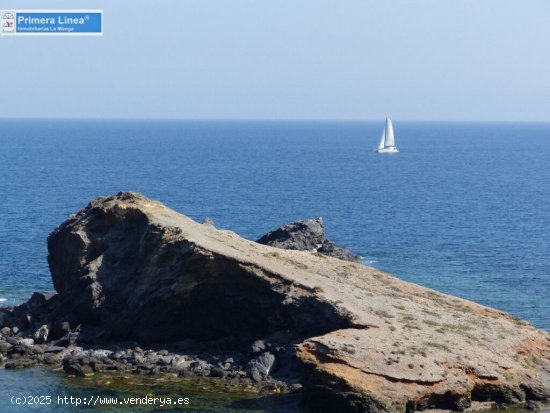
<point>52,22</point>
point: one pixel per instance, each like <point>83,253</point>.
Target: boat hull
<point>391,149</point>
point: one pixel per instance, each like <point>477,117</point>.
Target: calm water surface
<point>110,393</point>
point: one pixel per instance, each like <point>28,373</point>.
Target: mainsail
<point>382,140</point>
<point>389,140</point>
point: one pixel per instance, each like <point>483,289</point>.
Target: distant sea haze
<point>463,207</point>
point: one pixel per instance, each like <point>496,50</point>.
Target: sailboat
<point>387,140</point>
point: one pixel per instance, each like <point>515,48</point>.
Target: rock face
<point>139,270</point>
<point>306,235</point>
<point>129,269</point>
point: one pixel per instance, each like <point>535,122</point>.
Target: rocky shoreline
<point>143,289</point>
<point>23,352</point>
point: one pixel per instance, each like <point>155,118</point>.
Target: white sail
<point>382,140</point>
<point>389,138</point>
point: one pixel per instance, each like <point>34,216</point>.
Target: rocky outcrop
<point>142,288</point>
<point>137,270</point>
<point>306,235</point>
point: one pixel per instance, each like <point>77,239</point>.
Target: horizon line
<point>205,119</point>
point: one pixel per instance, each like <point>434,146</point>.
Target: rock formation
<point>133,276</point>
<point>306,235</point>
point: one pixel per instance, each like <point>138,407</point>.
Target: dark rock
<point>534,405</point>
<point>81,370</point>
<point>27,341</point>
<point>5,347</point>
<point>101,353</point>
<point>137,359</point>
<point>322,393</point>
<point>498,393</point>
<point>456,402</point>
<point>68,340</point>
<point>200,368</point>
<point>217,372</point>
<point>86,362</point>
<point>60,329</point>
<point>12,340</point>
<point>255,374</point>
<point>306,235</point>
<point>37,309</point>
<point>261,366</point>
<point>36,349</point>
<point>536,392</point>
<point>54,349</point>
<point>258,346</point>
<point>41,334</point>
<point>14,364</point>
<point>38,300</point>
<point>164,360</point>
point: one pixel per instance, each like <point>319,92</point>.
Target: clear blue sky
<point>287,59</point>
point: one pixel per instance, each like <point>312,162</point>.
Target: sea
<point>463,208</point>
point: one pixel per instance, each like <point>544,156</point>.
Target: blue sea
<point>464,208</point>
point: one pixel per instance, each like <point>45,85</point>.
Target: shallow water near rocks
<point>109,391</point>
<point>205,395</point>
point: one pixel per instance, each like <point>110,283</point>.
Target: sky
<point>286,59</point>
